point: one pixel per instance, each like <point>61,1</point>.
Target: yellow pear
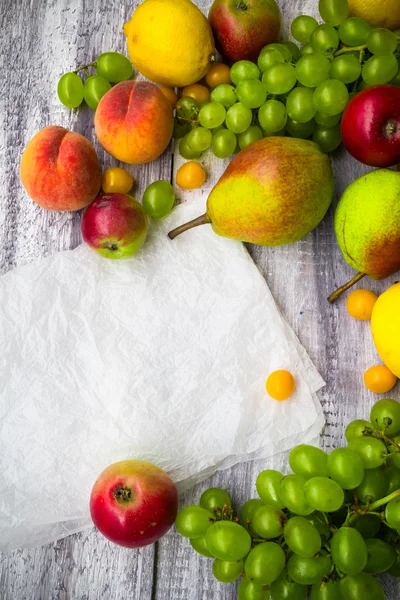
<point>170,42</point>
<point>385,325</point>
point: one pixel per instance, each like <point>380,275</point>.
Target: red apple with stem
<point>242,28</point>
<point>133,503</point>
<point>114,225</point>
<point>371,126</point>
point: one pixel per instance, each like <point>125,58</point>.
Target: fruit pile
<point>332,524</point>
<point>299,92</point>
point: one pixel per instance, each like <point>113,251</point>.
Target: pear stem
<point>337,293</point>
<point>202,220</point>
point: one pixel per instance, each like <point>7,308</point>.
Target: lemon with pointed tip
<point>385,325</point>
<point>170,42</point>
<point>385,13</point>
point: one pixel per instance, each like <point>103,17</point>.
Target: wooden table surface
<point>39,41</point>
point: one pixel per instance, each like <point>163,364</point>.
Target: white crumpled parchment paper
<point>161,357</point>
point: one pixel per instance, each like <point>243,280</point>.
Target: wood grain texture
<point>39,42</point>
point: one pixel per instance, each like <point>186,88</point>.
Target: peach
<point>60,169</point>
<point>134,122</point>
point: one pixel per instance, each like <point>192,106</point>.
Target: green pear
<point>274,192</point>
<point>367,226</point>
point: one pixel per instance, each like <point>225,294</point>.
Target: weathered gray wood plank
<point>39,42</point>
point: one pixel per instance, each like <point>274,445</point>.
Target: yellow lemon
<point>170,42</point>
<point>385,13</point>
<point>385,324</point>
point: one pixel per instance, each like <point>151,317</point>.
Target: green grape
<point>248,590</point>
<point>158,201</point>
<point>326,590</point>
<point>215,498</point>
<point>359,427</point>
<point>299,105</point>
<point>327,138</point>
<point>212,115</point>
<point>279,133</point>
<point>302,28</point>
<point>379,69</point>
<point>346,68</point>
<point>285,589</point>
<point>292,494</point>
<point>94,89</point>
<point>268,485</point>
<point>302,537</point>
<point>199,139</point>
<point>268,522</point>
<point>313,69</point>
<point>382,41</point>
<point>392,513</point>
<point>299,130</point>
<point>367,525</point>
<point>324,38</point>
<point>349,550</point>
<point>354,32</point>
<point>186,151</point>
<point>224,94</point>
<point>200,546</point>
<point>371,451</point>
<point>244,69</point>
<point>280,78</point>
<point>287,55</point>
<point>395,568</point>
<point>193,521</point>
<point>317,519</point>
<point>268,57</point>
<point>70,90</point>
<point>248,509</point>
<point>187,108</point>
<point>252,93</point>
<point>272,116</point>
<point>265,563</point>
<point>396,79</point>
<point>331,97</point>
<point>345,467</point>
<point>227,540</point>
<point>333,12</point>
<point>252,134</point>
<point>385,416</point>
<point>308,571</point>
<point>306,49</point>
<point>323,494</point>
<point>223,143</point>
<point>293,49</point>
<point>393,475</point>
<point>180,129</point>
<point>381,556</point>
<point>227,571</point>
<point>114,67</point>
<point>374,485</point>
<point>308,461</point>
<point>238,118</point>
<point>362,586</point>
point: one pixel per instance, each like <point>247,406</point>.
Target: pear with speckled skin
<point>367,224</point>
<point>274,192</point>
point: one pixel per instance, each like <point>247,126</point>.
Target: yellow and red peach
<point>134,122</point>
<point>60,169</point>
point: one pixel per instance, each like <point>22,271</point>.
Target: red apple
<point>133,503</point>
<point>242,28</point>
<point>114,225</point>
<point>371,126</point>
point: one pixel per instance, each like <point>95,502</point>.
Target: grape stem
<point>85,67</point>
<point>350,49</point>
<point>384,500</point>
<point>389,441</point>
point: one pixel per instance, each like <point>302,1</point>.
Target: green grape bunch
<point>323,531</point>
<point>295,89</point>
<point>110,68</point>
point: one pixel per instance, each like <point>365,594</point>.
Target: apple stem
<point>337,293</point>
<point>202,220</point>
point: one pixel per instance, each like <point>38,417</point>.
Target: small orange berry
<point>218,73</point>
<point>117,179</point>
<point>170,94</point>
<point>360,304</point>
<point>280,385</point>
<point>190,175</point>
<point>199,92</point>
<point>379,379</point>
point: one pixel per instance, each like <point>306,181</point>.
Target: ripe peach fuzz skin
<point>60,169</point>
<point>134,122</point>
